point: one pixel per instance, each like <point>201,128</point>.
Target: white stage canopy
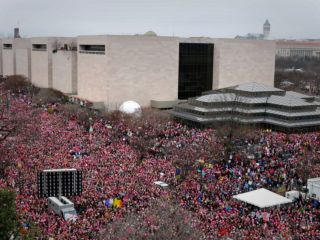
<point>262,198</point>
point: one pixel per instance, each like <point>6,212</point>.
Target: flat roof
<point>256,87</point>
<point>262,198</point>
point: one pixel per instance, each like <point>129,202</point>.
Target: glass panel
<point>195,69</point>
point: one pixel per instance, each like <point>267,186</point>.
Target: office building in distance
<point>291,48</point>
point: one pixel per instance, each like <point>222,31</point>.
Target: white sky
<point>213,18</point>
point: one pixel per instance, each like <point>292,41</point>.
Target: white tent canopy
<point>262,198</point>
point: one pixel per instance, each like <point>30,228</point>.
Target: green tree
<point>8,216</point>
<point>33,232</point>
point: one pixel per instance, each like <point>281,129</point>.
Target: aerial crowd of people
<point>202,176</point>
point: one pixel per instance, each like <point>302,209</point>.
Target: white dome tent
<point>130,107</point>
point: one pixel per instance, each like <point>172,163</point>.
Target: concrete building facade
<point>64,71</point>
<point>291,48</point>
<point>64,65</point>
<point>42,50</point>
<point>8,62</point>
<point>22,57</point>
<point>244,61</point>
<point>144,68</point>
<point>139,68</point>
<point>41,59</point>
<point>238,61</point>
<point>148,69</point>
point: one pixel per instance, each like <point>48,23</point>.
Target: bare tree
<point>232,127</point>
<point>73,46</point>
<point>5,129</point>
<point>159,220</point>
<point>146,128</point>
<point>303,72</point>
<point>56,45</point>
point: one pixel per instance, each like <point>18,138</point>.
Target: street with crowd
<point>202,176</point>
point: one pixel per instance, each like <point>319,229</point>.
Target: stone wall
<point>8,66</point>
<point>22,51</point>
<point>139,68</point>
<point>63,64</point>
<point>242,61</point>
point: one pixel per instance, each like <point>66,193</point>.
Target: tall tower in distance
<point>266,29</point>
<point>16,32</point>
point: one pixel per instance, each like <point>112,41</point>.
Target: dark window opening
<point>39,47</point>
<point>7,46</point>
<point>195,69</point>
<point>93,49</point>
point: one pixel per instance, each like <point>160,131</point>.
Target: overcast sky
<point>213,18</point>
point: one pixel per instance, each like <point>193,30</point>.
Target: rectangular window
<point>7,46</point>
<point>92,49</point>
<point>195,69</point>
<point>39,47</point>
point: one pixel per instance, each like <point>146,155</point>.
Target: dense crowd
<point>113,168</point>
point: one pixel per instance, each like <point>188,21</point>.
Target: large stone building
<point>148,69</point>
<point>292,48</point>
<point>42,51</point>
<point>165,69</point>
<point>139,68</point>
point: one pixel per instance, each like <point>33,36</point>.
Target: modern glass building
<point>252,103</point>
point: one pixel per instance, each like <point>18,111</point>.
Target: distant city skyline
<point>289,19</point>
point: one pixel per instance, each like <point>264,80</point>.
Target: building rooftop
<point>256,87</point>
<point>298,95</point>
<point>289,101</point>
<point>252,103</point>
<point>298,43</point>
